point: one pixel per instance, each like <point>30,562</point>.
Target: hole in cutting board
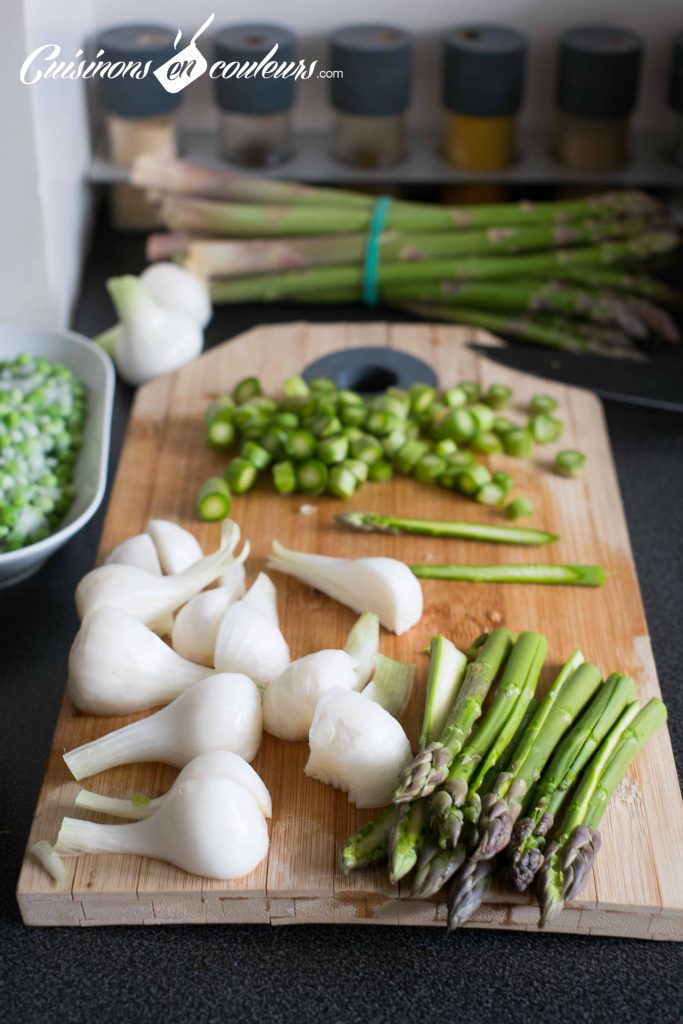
<point>371,370</point>
<point>367,379</point>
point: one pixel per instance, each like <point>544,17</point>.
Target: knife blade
<point>656,384</point>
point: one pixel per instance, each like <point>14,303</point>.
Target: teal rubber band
<point>371,265</point>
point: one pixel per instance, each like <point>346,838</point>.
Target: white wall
<point>541,20</point>
<point>44,198</point>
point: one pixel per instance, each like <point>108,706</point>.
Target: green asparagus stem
<point>369,844</point>
<point>513,694</point>
<point>534,296</point>
<point>578,575</point>
<point>226,258</point>
<point>490,532</point>
<point>405,838</point>
<point>302,285</point>
<point>571,855</point>
<point>569,462</point>
<point>447,667</point>
<point>214,500</point>
<point>633,284</point>
<point>518,508</point>
<point>430,767</point>
<point>472,879</point>
<point>502,806</point>
<point>569,335</point>
<point>446,672</point>
<point>468,890</point>
<point>570,758</point>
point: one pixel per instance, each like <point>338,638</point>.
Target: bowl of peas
<point>56,391</point>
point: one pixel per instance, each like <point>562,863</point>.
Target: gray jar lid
<point>483,73</point>
<point>598,71</point>
<point>675,90</point>
<point>375,61</point>
<point>130,97</point>
<point>249,44</point>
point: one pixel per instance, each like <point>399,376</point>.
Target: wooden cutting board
<point>636,888</point>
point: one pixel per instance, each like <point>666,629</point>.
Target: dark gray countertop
<point>177,974</point>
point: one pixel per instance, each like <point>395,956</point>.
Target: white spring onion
<point>178,290</point>
<point>249,638</point>
<point>150,340</point>
<point>196,624</point>
<point>290,700</point>
<point>176,547</point>
<point>139,550</point>
<point>222,763</point>
<point>357,746</point>
<point>50,859</point>
<point>151,598</point>
<point>221,712</point>
<point>118,666</point>
<point>210,826</point>
<point>382,585</point>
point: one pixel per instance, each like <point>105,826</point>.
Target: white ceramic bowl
<point>95,369</point>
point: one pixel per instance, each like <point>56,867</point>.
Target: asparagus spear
<point>472,878</point>
<point>493,533</point>
<point>535,296</point>
<point>571,855</point>
<point>176,176</point>
<point>224,258</point>
<point>579,575</point>
<point>308,284</point>
<point>430,768</point>
<point>446,672</point>
<point>369,844</point>
<point>502,806</point>
<point>570,758</point>
<point>624,281</point>
<point>513,693</point>
<point>447,667</point>
<point>565,335</point>
<point>440,860</point>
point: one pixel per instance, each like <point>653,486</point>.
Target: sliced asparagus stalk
<point>570,758</point>
<point>491,532</point>
<point>577,575</point>
<point>430,768</point>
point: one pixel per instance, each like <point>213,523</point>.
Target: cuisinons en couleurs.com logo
<point>179,71</point>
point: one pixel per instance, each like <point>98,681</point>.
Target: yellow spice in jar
<point>480,143</point>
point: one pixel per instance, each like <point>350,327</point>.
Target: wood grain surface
<point>636,888</point>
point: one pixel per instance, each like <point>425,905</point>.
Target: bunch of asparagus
<point>570,273</point>
<point>487,787</point>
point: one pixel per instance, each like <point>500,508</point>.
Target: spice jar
<point>255,112</point>
<point>673,144</point>
<point>140,114</point>
<point>483,77</point>
<point>597,83</point>
<point>371,97</point>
